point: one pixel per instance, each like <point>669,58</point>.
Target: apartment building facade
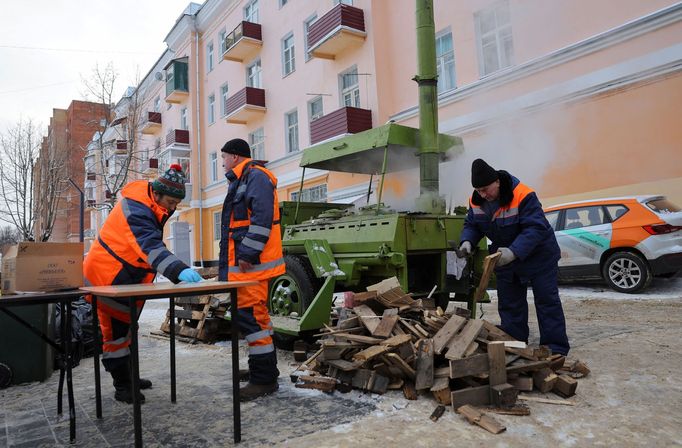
<point>576,98</point>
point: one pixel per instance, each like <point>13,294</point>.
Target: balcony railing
<point>153,123</point>
<point>177,137</point>
<point>347,120</point>
<point>243,42</point>
<point>341,28</point>
<point>121,146</point>
<point>245,105</point>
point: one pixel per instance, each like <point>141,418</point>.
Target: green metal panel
<point>364,152</point>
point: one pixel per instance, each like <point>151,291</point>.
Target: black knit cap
<point>171,183</point>
<point>482,174</point>
<point>238,147</point>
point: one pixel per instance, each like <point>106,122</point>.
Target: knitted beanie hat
<point>238,147</point>
<point>171,183</point>
<point>482,174</point>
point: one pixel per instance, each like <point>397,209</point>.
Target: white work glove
<point>507,256</point>
<point>464,249</point>
<point>189,275</point>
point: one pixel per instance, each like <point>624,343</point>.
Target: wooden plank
<point>441,391</point>
<point>384,285</point>
<point>361,297</point>
<point>409,391</point>
<point>565,386</point>
<point>395,341</point>
<point>544,379</point>
<point>388,321</point>
<point>424,378</point>
<point>494,333</point>
<point>471,395</point>
<point>343,365</point>
<point>358,338</point>
<point>405,367</point>
<point>472,365</point>
<point>498,364</point>
<point>371,352</point>
<point>368,317</point>
<point>443,336</point>
<point>471,349</point>
<point>361,379</point>
<point>527,366</point>
<point>441,372</point>
<point>322,383</point>
<point>546,400</point>
<point>503,395</point>
<point>488,267</point>
<point>437,413</point>
<point>460,343</point>
<point>519,409</point>
<point>522,383</point>
<point>474,416</point>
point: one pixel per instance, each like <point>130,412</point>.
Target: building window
<point>157,104</point>
<point>317,193</point>
<point>350,88</point>
<point>306,26</point>
<point>253,75</point>
<point>251,12</point>
<point>291,127</point>
<point>221,37</point>
<point>445,61</point>
<point>494,38</point>
<point>217,219</point>
<point>283,2</point>
<point>288,59</point>
<point>183,118</point>
<point>211,109</point>
<point>223,100</point>
<point>213,166</point>
<point>257,143</point>
<point>209,56</point>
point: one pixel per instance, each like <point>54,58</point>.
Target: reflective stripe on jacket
<point>250,228</point>
<point>130,247</point>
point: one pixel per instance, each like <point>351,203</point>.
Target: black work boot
<point>123,385</point>
<point>244,375</point>
<point>252,391</point>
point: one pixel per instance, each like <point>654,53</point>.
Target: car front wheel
<point>627,272</point>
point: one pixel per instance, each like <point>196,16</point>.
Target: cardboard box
<point>29,267</point>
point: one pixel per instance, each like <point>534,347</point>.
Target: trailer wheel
<point>5,376</point>
<point>293,291</point>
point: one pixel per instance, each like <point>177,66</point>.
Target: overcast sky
<point>47,46</point>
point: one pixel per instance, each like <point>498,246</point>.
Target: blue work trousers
<point>513,307</point>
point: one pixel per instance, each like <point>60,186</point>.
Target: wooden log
<point>368,317</point>
<point>424,370</point>
<point>471,395</point>
<point>503,395</point>
<point>437,413</point>
<point>441,391</point>
<point>472,365</point>
<point>460,343</point>
<point>409,391</point>
<point>565,386</point>
<point>522,383</point>
<point>443,336</point>
<point>544,379</point>
<point>498,364</point>
<point>474,416</point>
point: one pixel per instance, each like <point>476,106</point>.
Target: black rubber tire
<point>5,376</point>
<point>304,285</point>
<point>626,272</point>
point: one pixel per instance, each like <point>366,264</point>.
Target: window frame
<point>211,108</point>
<point>209,57</point>
<point>440,63</point>
<point>257,146</point>
<point>184,119</point>
<point>306,27</point>
<point>250,12</point>
<point>213,164</point>
<point>353,91</point>
<point>224,95</point>
<point>495,35</point>
<point>292,54</point>
<point>288,127</point>
<point>259,74</point>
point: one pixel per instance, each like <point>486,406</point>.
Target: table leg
<point>98,347</point>
<point>235,367</point>
<point>171,317</point>
<point>62,355</point>
<point>69,378</point>
<point>135,374</point>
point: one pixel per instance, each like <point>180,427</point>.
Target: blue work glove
<point>506,257</point>
<point>189,275</point>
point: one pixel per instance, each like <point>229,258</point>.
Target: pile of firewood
<point>387,340</point>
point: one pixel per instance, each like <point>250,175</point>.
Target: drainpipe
<point>198,126</point>
<point>429,200</point>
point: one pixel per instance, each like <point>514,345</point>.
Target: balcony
<point>150,168</point>
<point>177,137</point>
<point>245,105</point>
<point>153,123</point>
<point>347,120</point>
<point>177,80</point>
<point>121,146</point>
<point>91,176</point>
<point>244,42</point>
<point>90,204</point>
<point>341,28</point>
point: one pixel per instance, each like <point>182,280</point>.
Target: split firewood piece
<point>437,413</point>
<point>556,362</point>
<point>497,361</point>
<point>473,365</point>
<point>545,400</point>
<point>565,386</point>
<point>424,378</point>
<point>544,379</point>
<point>322,383</point>
<point>405,367</point>
<point>452,326</point>
<point>475,396</point>
<point>489,263</point>
<point>474,416</point>
<point>503,395</point>
<point>519,409</point>
<point>441,372</point>
<point>359,338</point>
<point>368,317</point>
<point>441,391</point>
<point>388,321</point>
<point>305,365</point>
<point>343,365</point>
<point>409,391</point>
<point>522,383</point>
<point>359,298</point>
<point>460,343</point>
<point>527,366</point>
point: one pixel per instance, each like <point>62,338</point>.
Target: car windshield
<point>662,206</point>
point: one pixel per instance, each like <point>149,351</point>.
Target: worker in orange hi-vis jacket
<point>130,250</point>
<point>251,249</point>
